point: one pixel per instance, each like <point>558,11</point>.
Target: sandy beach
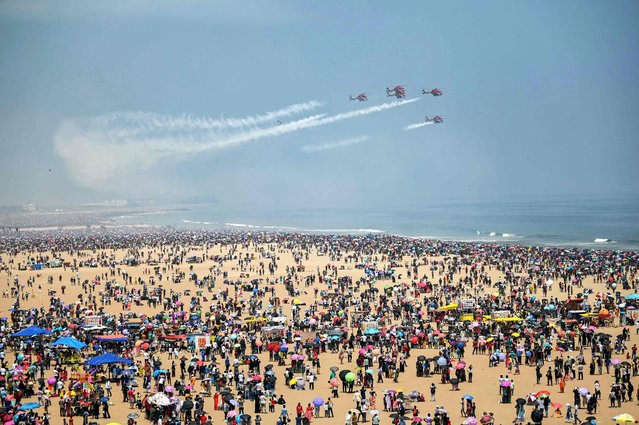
<point>375,297</point>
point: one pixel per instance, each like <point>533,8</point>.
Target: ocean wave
<point>602,240</point>
<point>343,230</point>
<point>303,230</point>
<point>497,234</point>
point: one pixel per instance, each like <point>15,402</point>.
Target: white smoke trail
<point>327,146</point>
<point>97,149</point>
<point>302,124</point>
<point>150,121</point>
<point>418,125</point>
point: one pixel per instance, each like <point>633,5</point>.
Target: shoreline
<point>589,246</point>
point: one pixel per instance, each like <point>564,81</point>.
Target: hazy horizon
<point>171,101</point>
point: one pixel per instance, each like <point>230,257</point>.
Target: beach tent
<point>31,331</point>
<point>69,342</point>
<point>112,338</point>
<point>448,307</point>
<point>107,358</point>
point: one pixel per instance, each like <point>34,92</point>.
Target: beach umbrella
<point>416,419</point>
<point>104,399</point>
<point>454,381</point>
<point>615,362</point>
<point>557,405</point>
<point>156,373</point>
<point>231,413</point>
<point>543,394</point>
<point>318,401</point>
<point>471,420</point>
<point>421,358</point>
<point>442,361</point>
<point>374,412</point>
<point>334,368</point>
<point>169,389</point>
<point>397,415</point>
<point>343,373</point>
<point>624,418</point>
<point>133,415</point>
<point>485,419</point>
<point>30,406</point>
<point>460,365</point>
<point>350,377</point>
<point>521,401</point>
<point>188,405</point>
<point>537,415</point>
<point>505,383</point>
<point>468,397</point>
<point>334,382</point>
<point>583,391</point>
<point>591,418</point>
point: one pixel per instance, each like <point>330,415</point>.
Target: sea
<point>601,223</point>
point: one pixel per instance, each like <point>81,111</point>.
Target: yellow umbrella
<point>296,301</point>
<point>490,339</point>
<point>624,418</point>
<point>516,334</point>
<point>292,381</point>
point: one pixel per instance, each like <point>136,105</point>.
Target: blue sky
<point>541,98</point>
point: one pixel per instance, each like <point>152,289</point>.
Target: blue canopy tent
<point>107,358</point>
<point>70,342</point>
<point>31,331</point>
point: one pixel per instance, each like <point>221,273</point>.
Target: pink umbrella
<point>256,378</point>
<point>615,362</point>
<point>259,343</point>
<point>169,389</point>
<point>334,382</point>
<point>460,365</point>
<point>231,414</point>
<point>471,420</point>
